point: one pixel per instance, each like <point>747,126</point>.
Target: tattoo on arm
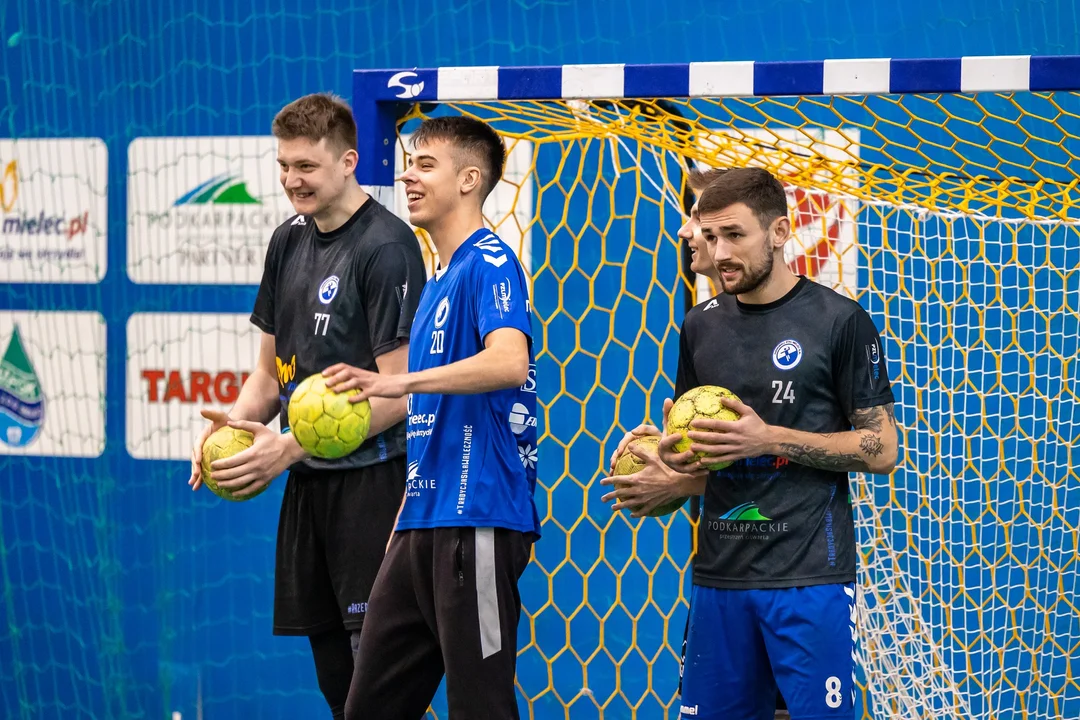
<point>872,418</point>
<point>868,423</point>
<point>824,459</point>
<point>870,444</point>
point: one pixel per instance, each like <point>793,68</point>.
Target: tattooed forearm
<point>874,418</point>
<point>823,459</point>
<point>868,419</point>
<point>869,447</point>
<point>870,444</point>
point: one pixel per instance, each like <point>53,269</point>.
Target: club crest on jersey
<point>442,312</point>
<point>787,354</point>
<point>328,289</point>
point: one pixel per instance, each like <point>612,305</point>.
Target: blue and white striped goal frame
<point>375,92</point>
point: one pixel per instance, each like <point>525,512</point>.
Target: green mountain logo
<point>22,404</point>
<point>747,511</point>
<point>220,190</point>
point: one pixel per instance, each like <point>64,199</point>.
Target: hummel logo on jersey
<point>328,289</point>
<point>299,220</point>
<point>491,244</point>
<point>712,303</point>
<point>787,354</point>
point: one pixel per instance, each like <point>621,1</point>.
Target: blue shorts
<point>743,644</point>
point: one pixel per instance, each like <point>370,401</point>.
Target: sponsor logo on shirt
<point>286,371</point>
<point>527,455</point>
<point>530,382</point>
<point>414,484</point>
<point>873,359</point>
<point>746,522</point>
<point>420,425</point>
<point>503,295</point>
<point>520,419</point>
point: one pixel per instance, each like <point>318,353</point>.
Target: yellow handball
<point>324,422</point>
<point>224,443</point>
<point>628,463</point>
<point>699,402</point>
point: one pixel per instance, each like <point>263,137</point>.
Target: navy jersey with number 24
<point>472,458</point>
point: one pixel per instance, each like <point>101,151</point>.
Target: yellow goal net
<point>943,197</point>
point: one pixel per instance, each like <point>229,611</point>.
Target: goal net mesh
<point>952,219</point>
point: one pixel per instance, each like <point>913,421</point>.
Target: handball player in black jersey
<point>339,290</point>
<point>773,601</point>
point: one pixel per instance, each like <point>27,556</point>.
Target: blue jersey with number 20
<point>472,458</point>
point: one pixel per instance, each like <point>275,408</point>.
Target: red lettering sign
<point>198,386</point>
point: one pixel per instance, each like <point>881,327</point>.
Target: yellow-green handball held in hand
<point>324,422</point>
<point>699,402</point>
<point>224,443</point>
<point>628,463</point>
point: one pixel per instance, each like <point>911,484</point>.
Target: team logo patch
<point>328,289</point>
<point>787,354</point>
<point>441,312</point>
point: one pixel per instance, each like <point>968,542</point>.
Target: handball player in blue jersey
<point>446,599</point>
<point>773,601</point>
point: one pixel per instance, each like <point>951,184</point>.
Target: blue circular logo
<point>328,289</point>
<point>787,354</point>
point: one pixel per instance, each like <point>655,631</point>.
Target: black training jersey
<point>345,296</point>
<point>806,362</point>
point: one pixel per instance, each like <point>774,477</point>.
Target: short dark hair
<point>315,117</point>
<point>698,180</point>
<point>474,141</point>
<point>758,189</point>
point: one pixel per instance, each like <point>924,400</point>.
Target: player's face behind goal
<point>314,176</point>
<point>745,225</point>
<point>701,261</point>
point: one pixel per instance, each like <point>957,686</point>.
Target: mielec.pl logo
<point>218,222</point>
<point>36,221</point>
<point>22,404</point>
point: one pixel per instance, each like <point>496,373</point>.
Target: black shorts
<point>446,602</point>
<point>331,539</point>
